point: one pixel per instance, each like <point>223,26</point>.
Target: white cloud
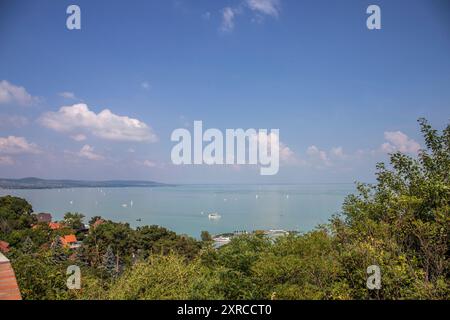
<point>398,141</point>
<point>317,156</point>
<point>17,145</point>
<point>78,137</point>
<point>6,161</point>
<point>259,8</point>
<point>87,152</point>
<point>338,152</point>
<point>10,93</point>
<point>149,163</point>
<point>286,154</point>
<point>337,158</point>
<point>68,95</point>
<point>105,125</point>
<point>267,7</point>
<point>228,15</point>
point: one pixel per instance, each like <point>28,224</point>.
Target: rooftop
<point>70,238</point>
<point>9,290</point>
<point>4,246</point>
<point>44,217</point>
<point>54,225</point>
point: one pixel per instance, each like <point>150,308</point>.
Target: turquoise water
<point>185,209</point>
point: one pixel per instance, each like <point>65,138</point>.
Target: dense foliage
<point>401,224</point>
<point>15,214</point>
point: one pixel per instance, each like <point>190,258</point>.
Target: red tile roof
<point>4,246</point>
<point>9,290</point>
<point>68,239</point>
<point>54,225</point>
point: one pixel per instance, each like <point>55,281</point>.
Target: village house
<point>44,217</point>
<point>70,241</point>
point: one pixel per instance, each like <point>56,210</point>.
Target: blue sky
<point>342,96</point>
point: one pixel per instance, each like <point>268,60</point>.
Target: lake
<point>185,208</point>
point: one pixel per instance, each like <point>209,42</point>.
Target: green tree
<point>58,251</point>
<point>300,267</point>
<point>109,262</point>
<point>166,277</point>
<point>205,236</point>
<point>15,214</point>
<point>28,246</point>
<point>117,235</point>
<point>159,240</point>
<point>40,277</point>
<point>93,220</point>
<point>402,223</point>
<point>74,220</point>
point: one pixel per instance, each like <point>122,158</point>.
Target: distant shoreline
<point>36,183</point>
<point>43,184</point>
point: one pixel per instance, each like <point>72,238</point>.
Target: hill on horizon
<point>37,183</point>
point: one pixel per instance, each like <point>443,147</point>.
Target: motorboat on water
<point>214,216</point>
